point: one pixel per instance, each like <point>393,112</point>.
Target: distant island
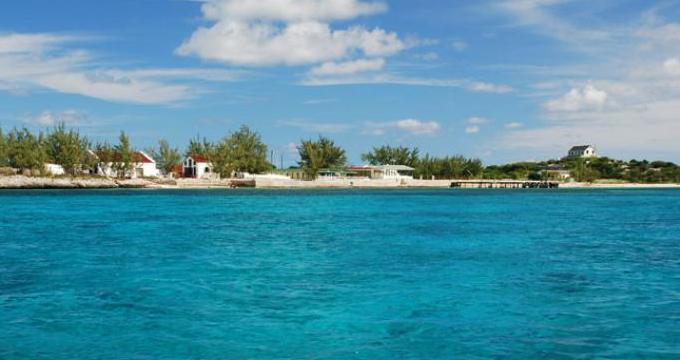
<point>61,157</point>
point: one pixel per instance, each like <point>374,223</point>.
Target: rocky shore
<point>30,182</point>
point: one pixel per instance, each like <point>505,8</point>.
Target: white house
<point>582,151</point>
<point>198,167</point>
<point>144,166</point>
<point>380,172</point>
<point>555,172</point>
<point>54,169</point>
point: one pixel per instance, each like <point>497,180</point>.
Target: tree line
<point>243,150</point>
<point>325,154</point>
<point>591,169</point>
<point>23,150</point>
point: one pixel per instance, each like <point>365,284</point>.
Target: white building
<point>555,172</point>
<point>383,172</point>
<point>144,166</point>
<point>54,169</point>
<point>198,167</point>
<point>582,151</point>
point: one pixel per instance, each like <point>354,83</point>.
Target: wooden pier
<point>504,184</point>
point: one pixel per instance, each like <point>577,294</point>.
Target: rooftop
<point>580,147</point>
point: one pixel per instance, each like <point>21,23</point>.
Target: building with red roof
<point>143,166</point>
<point>198,166</point>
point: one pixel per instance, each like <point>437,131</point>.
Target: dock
<point>504,184</point>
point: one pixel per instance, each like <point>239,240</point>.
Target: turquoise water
<point>366,274</point>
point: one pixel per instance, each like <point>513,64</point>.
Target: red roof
<point>145,158</point>
<point>199,158</point>
<point>138,157</point>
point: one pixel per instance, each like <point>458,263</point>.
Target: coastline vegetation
<point>448,167</point>
<point>320,154</point>
<point>244,151</point>
<point>240,151</point>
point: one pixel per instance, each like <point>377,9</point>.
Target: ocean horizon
<point>340,274</point>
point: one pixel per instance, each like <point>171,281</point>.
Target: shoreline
<point>19,182</point>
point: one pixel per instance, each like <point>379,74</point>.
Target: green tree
<point>320,154</point>
<point>247,152</point>
<point>4,161</point>
<point>25,151</point>
<point>198,146</point>
<point>166,157</point>
<point>125,157</point>
<point>473,168</point>
<point>66,148</point>
<point>311,158</point>
<point>333,156</point>
<point>387,155</point>
<point>219,156</point>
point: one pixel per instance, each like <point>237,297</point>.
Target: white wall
<point>54,169</point>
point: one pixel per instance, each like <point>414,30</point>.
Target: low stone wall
<point>349,183</point>
<point>26,182</point>
<point>202,183</point>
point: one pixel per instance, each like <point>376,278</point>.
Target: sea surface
<point>341,274</point>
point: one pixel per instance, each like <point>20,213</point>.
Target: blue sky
<point>505,80</point>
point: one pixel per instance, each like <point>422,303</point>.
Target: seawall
<point>349,183</point>
<point>27,182</point>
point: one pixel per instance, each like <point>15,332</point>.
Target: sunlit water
<point>365,274</point>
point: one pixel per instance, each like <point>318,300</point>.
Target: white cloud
<point>430,56</point>
<point>22,43</point>
<point>472,129</point>
<point>290,148</point>
<point>376,128</point>
<point>329,128</point>
<point>50,118</point>
<point>490,88</point>
<point>382,78</point>
<point>105,86</point>
<point>417,127</point>
<point>300,32</point>
<point>626,105</point>
<point>290,32</point>
<point>477,120</point>
<point>412,126</point>
<point>290,10</point>
<point>318,101</point>
<point>586,98</point>
<point>513,125</point>
<point>474,122</point>
<point>459,45</point>
<point>539,14</point>
<point>672,66</point>
<point>41,60</point>
<point>348,67</point>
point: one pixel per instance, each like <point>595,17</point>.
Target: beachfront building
<point>555,172</point>
<point>198,167</point>
<point>383,172</point>
<point>54,169</point>
<point>301,174</point>
<point>582,151</point>
<point>143,166</point>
